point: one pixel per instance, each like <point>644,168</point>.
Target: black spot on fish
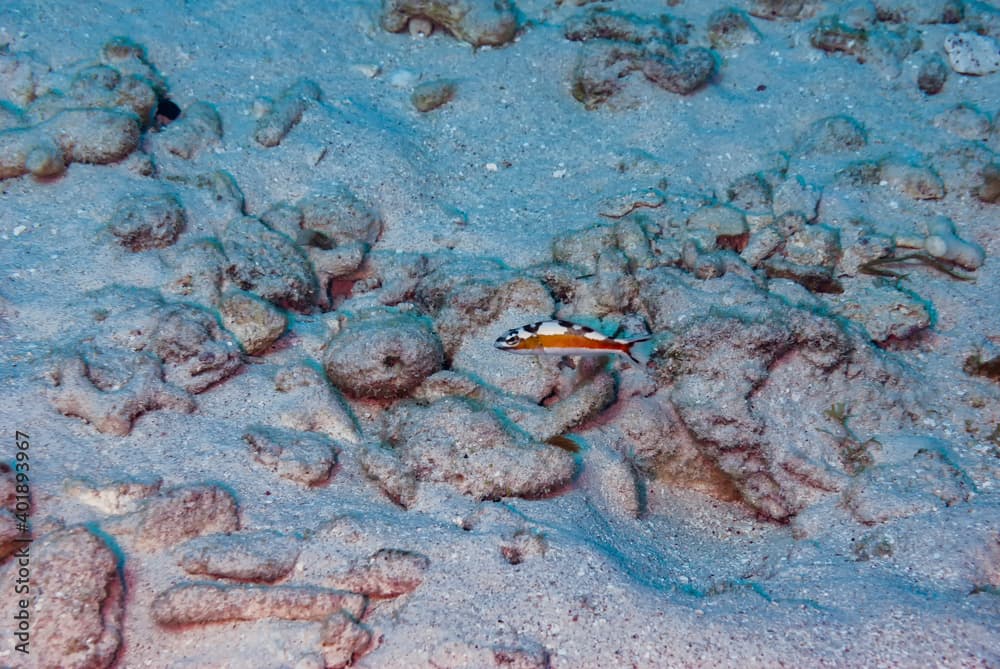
<point>566,324</point>
<point>532,328</point>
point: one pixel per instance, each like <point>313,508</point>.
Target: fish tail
<point>628,350</point>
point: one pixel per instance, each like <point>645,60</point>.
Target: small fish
<point>564,338</point>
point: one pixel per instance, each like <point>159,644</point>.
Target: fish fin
<point>638,355</point>
<point>563,442</point>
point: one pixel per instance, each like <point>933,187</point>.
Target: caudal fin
<point>638,355</point>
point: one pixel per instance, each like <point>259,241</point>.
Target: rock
<point>395,479</point>
<point>285,113</point>
<point>433,94</point>
<point>263,555</point>
<point>387,573</point>
<point>920,11</point>
<point>523,544</point>
<point>307,458</point>
<point>478,22</point>
<point>148,222</point>
<point>192,603</point>
<point>463,443</point>
<point>910,476</point>
<point>684,74</point>
<point>989,190</point>
<point>268,264</point>
<point>795,195</point>
<point>917,181</point>
<point>197,270</point>
<point>972,53</point>
<point>382,355</point>
<point>832,34</point>
<point>78,600</point>
<point>616,44</point>
<point>255,323</point>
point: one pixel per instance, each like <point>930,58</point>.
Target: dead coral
<point>263,555</point>
<point>617,44</point>
<point>382,355</point>
<point>389,572</point>
<point>191,602</point>
<point>177,515</point>
<point>268,264</point>
<point>110,388</point>
<point>463,443</point>
<point>148,222</point>
<point>478,22</point>
<point>281,115</point>
<point>78,600</point>
<point>307,458</point>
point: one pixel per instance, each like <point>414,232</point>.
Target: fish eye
<point>511,339</point>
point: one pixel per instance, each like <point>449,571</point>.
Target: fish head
<point>511,340</point>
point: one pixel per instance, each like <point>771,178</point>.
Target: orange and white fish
<point>564,338</point>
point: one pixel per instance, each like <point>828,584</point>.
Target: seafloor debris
<point>382,354</point>
<point>478,22</point>
<point>78,600</point>
<point>307,458</point>
<point>278,117</point>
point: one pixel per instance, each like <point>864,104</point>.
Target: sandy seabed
<point>249,380</point>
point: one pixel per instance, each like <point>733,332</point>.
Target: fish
<point>565,338</point>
